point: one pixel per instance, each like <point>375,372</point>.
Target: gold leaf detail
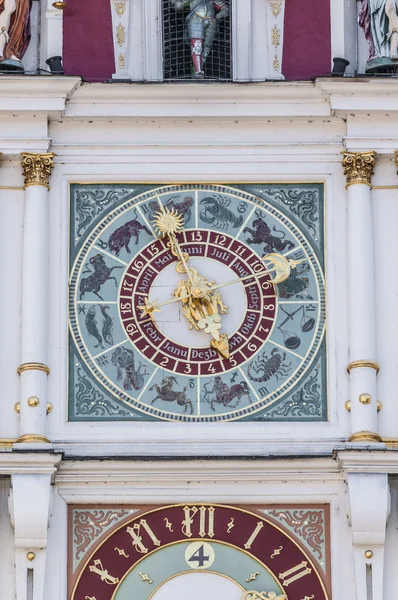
<point>37,168</point>
<point>276,36</point>
<point>120,7</point>
<point>120,34</point>
<point>275,63</point>
<point>276,8</point>
<point>358,167</point>
<point>121,61</point>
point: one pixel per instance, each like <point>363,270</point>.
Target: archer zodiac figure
<point>202,27</point>
<point>14,33</point>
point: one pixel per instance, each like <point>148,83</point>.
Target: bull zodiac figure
<point>225,394</point>
<point>166,393</point>
<point>121,237</point>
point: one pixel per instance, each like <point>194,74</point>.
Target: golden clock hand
<point>169,222</point>
<point>283,269</point>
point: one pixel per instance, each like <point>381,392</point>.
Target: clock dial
<point>211,550</point>
<point>167,364</point>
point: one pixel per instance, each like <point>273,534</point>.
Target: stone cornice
<point>323,97</point>
<point>35,94</point>
<point>28,463</point>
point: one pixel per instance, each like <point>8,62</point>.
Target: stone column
<point>33,370</point>
<point>363,368</point>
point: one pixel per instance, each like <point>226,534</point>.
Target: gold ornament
<point>365,436</point>
<point>358,167</point>
<point>120,34</point>
<point>363,364</point>
<point>365,399</point>
<point>200,307</point>
<point>276,36</point>
<point>276,8</point>
<point>168,222</point>
<point>33,367</point>
<point>31,556</point>
<point>149,308</point>
<point>368,554</point>
<point>120,7</point>
<point>253,595</point>
<point>33,401</point>
<point>37,168</point>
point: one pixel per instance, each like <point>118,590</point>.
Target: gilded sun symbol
<point>168,222</point>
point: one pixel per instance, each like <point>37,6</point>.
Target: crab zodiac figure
<point>14,33</point>
<point>202,27</point>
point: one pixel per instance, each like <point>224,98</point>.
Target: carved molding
<point>359,167</point>
<point>37,168</point>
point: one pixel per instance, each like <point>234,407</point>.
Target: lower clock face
<point>200,551</point>
<point>163,364</point>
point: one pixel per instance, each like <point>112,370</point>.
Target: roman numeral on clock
<point>135,532</point>
<point>206,521</point>
<point>253,536</point>
<point>297,572</point>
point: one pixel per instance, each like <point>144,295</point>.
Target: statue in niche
<point>14,33</point>
<point>202,27</point>
<point>379,21</point>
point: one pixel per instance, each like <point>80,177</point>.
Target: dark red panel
<point>307,44</point>
<point>87,39</point>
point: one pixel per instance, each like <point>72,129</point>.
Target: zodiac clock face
<point>201,551</point>
<point>196,303</point>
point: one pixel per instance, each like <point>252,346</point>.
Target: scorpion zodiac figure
<point>268,365</point>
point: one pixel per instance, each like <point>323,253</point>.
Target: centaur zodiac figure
<point>202,27</point>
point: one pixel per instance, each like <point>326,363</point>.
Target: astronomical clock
<point>197,303</point>
<point>199,551</point>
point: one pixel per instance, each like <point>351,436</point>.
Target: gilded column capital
<point>396,159</point>
<point>37,168</point>
<point>359,167</point>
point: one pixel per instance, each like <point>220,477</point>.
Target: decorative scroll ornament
<point>358,167</point>
<point>253,595</point>
<point>37,168</point>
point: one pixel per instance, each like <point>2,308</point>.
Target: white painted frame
<point>163,161</point>
<point>229,482</point>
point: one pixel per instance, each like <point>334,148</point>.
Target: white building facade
<point>241,441</point>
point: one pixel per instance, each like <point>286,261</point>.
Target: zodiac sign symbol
<point>145,577</point>
<point>90,598</point>
<point>230,525</point>
<point>121,552</point>
<point>253,576</point>
<point>309,597</point>
<point>168,525</point>
<point>277,552</point>
<point>103,573</point>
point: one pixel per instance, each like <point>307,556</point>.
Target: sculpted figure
<point>14,33</point>
<point>379,20</point>
<point>202,27</point>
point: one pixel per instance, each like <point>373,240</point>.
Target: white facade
<point>275,131</point>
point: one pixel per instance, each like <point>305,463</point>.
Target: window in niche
<point>197,40</point>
